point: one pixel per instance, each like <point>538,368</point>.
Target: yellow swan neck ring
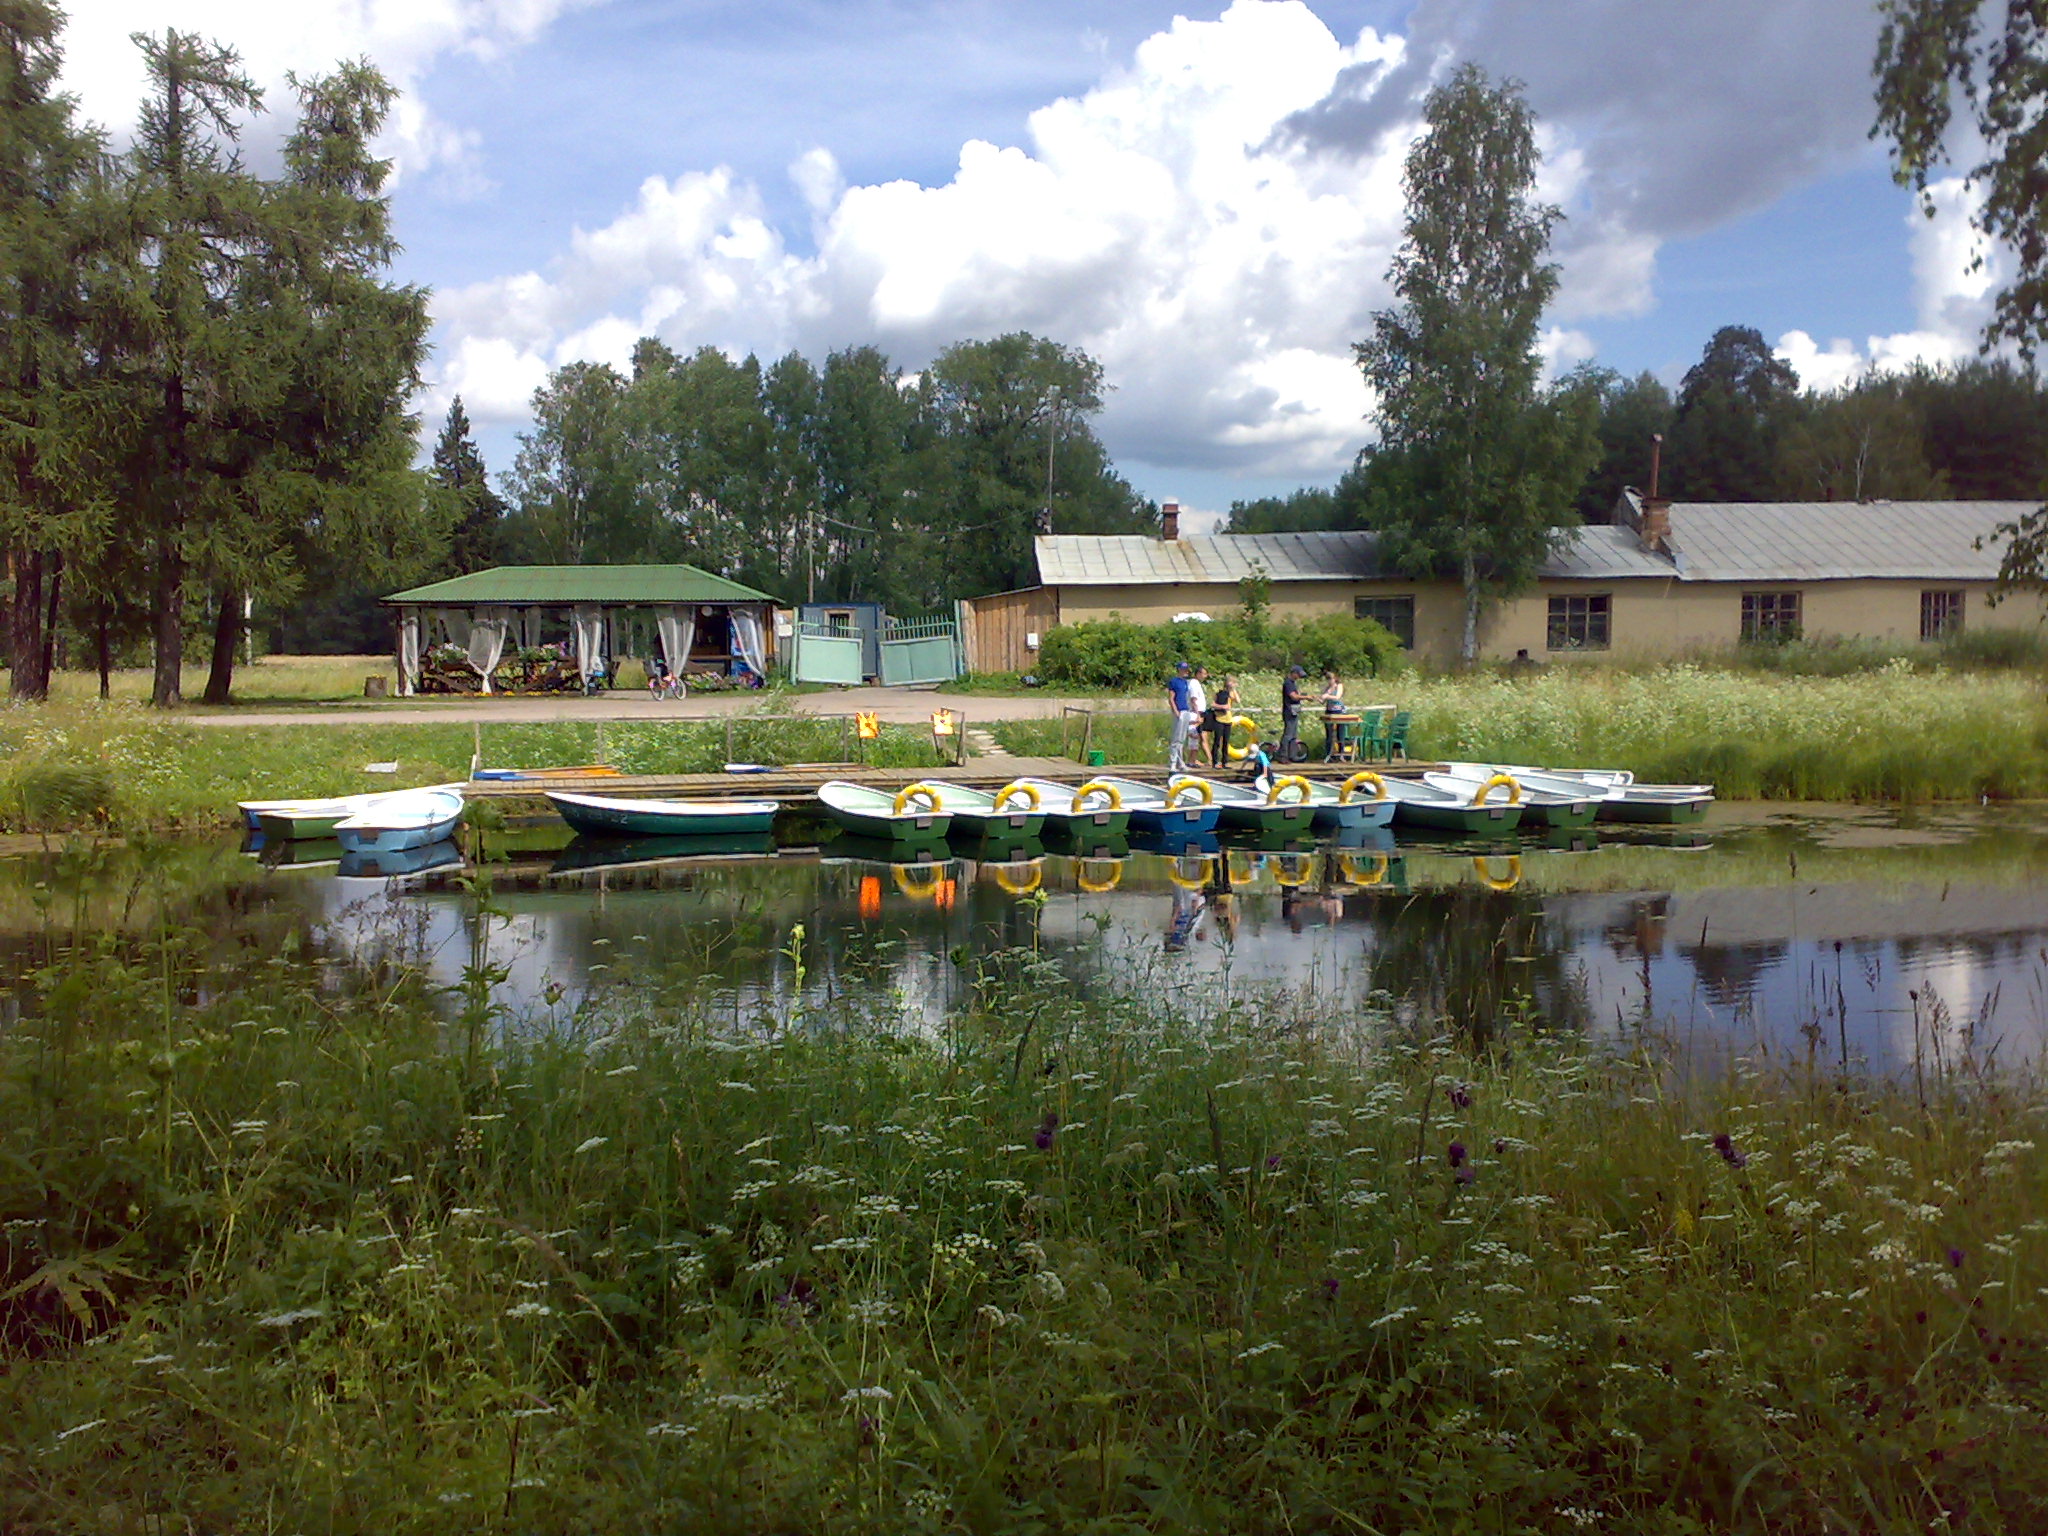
<point>915,888</point>
<point>1008,879</point>
<point>1363,779</point>
<point>1199,787</point>
<point>1347,864</point>
<point>1027,791</point>
<point>920,794</point>
<point>1205,860</point>
<point>1100,787</point>
<point>1498,781</point>
<point>1293,781</point>
<point>1095,885</point>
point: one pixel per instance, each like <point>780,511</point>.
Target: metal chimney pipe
<point>1656,456</point>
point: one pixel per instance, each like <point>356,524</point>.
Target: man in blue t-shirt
<point>1180,717</point>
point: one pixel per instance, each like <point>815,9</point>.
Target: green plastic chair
<point>1395,737</point>
<point>1372,736</point>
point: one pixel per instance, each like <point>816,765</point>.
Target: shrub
<point>1114,653</point>
<point>1991,648</point>
<point>1336,642</point>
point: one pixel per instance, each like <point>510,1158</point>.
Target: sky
<point>1204,197</point>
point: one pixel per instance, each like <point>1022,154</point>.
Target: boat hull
<point>299,826</point>
<point>1179,820</point>
<point>1464,819</point>
<point>1086,828</point>
<point>394,839</point>
<point>1356,813</point>
<point>1011,826</point>
<point>1650,811</point>
<point>1560,815</point>
<point>1290,815</point>
<point>931,827</point>
<point>591,817</point>
<point>389,863</point>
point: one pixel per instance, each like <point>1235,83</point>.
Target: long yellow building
<point>1663,579</point>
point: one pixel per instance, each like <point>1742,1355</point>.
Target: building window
<point>1941,614</point>
<point>1770,616</point>
<point>1579,623</point>
<point>1396,615</point>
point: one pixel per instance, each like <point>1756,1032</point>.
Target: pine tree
<point>460,476</point>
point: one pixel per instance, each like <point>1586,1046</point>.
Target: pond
<point>1878,937</point>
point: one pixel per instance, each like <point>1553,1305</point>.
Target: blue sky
<point>1205,197</point>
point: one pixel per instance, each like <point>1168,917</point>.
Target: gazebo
<point>593,613</point>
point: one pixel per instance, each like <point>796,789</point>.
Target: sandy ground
<point>898,705</point>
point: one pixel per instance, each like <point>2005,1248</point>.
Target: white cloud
<point>1955,274</point>
<point>402,37</point>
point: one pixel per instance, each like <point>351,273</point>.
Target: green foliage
<point>660,1272</point>
<point>1305,510</point>
<point>1332,642</point>
<point>1482,463</point>
<point>1118,656</point>
<point>1734,406</point>
<point>1632,411</point>
<point>59,797</point>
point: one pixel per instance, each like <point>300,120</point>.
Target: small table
<point>1345,735</point>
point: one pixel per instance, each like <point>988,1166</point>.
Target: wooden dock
<point>797,784</point>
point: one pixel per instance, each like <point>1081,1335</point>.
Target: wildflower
<point>1273,1162</point>
<point>1955,1258</point>
<point>592,1144</point>
<point>530,1309</point>
<point>1461,1096</point>
<point>1456,1153</point>
<point>286,1319</point>
<point>1047,1129</point>
<point>860,1394</point>
<point>1330,1289</point>
<point>1467,1174</point>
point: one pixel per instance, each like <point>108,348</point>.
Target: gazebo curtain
<point>749,641</point>
<point>588,623</point>
<point>677,625</point>
<point>487,640</point>
<point>409,653</point>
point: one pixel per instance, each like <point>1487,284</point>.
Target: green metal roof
<point>523,585</point>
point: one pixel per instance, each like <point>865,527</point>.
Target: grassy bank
<point>127,767</point>
<point>1893,734</point>
<point>296,1254</point>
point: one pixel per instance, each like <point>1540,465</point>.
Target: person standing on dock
<point>1178,693</point>
<point>1289,750</point>
<point>1198,712</point>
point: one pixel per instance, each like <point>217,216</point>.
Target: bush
<point>1114,653</point>
<point>1334,642</point>
<point>1990,648</point>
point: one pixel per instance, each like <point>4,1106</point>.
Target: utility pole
<point>1052,433</point>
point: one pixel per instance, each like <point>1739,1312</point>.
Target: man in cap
<point>1290,750</point>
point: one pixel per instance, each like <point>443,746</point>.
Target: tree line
<point>1740,428</point>
<point>853,480</point>
<point>203,371</point>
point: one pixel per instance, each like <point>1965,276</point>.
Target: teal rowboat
<point>1288,807</point>
<point>1014,812</point>
<point>1441,810</point>
<point>1092,814</point>
<point>611,816</point>
<point>915,813</point>
<point>1540,807</point>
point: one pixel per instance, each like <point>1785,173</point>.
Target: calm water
<point>1859,934</point>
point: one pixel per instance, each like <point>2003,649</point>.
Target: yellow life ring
<point>1358,780</point>
<point>1199,786</point>
<point>1290,781</point>
<point>1293,869</point>
<point>1099,787</point>
<point>919,791</point>
<point>1017,887</point>
<point>1030,794</point>
<point>919,890</point>
<point>1499,780</point>
<point>1505,882</point>
<point>1347,865</point>
<point>1206,860</point>
<point>1251,737</point>
<point>1095,886</point>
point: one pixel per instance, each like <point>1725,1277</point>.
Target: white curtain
<point>409,653</point>
<point>530,627</point>
<point>487,628</point>
<point>453,626</point>
<point>749,641</point>
<point>678,626</point>
<point>589,626</point>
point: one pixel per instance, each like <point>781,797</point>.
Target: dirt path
<point>897,705</point>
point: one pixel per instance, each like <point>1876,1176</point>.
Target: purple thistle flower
<point>1500,1146</point>
<point>1330,1290</point>
<point>1731,1154</point>
<point>1273,1162</point>
<point>1047,1129</point>
<point>1461,1096</point>
<point>1955,1258</point>
<point>1467,1174</point>
<point>1456,1153</point>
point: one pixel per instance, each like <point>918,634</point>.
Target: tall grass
<point>282,1250</point>
<point>128,767</point>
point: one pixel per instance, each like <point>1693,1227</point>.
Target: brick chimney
<point>1655,528</point>
<point>1169,520</point>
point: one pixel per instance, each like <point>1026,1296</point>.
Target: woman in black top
<point>1222,707</point>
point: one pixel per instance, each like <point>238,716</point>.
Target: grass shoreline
<point>1898,735</point>
<point>282,1239</point>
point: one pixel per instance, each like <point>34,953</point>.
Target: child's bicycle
<point>666,685</point>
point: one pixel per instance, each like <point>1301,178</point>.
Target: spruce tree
<point>460,477</point>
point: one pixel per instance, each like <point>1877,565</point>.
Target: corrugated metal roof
<point>1712,541</point>
<point>519,585</point>
<point>1080,559</point>
<point>1839,540</point>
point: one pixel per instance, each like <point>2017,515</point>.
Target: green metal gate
<point>920,651</point>
<point>825,656</point>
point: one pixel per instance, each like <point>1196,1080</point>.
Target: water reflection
<point>1862,936</point>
